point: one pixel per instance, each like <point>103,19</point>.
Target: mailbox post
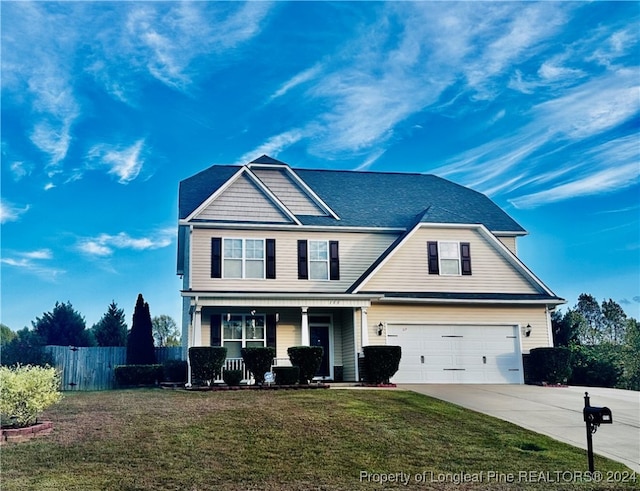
<point>593,418</point>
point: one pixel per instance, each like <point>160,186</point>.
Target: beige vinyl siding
<point>510,243</point>
<point>536,316</point>
<point>357,252</point>
<point>243,201</point>
<point>407,269</point>
<point>287,191</point>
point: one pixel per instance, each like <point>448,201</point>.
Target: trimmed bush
<point>26,391</point>
<point>232,377</point>
<point>381,363</point>
<point>287,375</point>
<point>174,371</point>
<point>596,366</point>
<point>138,374</point>
<point>206,362</point>
<point>258,361</point>
<point>551,365</point>
<point>308,359</point>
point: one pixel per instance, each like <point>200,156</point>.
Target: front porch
<point>336,324</point>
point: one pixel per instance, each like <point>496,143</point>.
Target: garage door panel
<point>457,353</point>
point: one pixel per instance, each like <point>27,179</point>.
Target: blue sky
<point>107,106</point>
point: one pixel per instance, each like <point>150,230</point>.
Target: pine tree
<point>111,329</point>
<point>63,327</point>
<point>140,350</point>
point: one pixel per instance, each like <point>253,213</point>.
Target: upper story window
<point>234,258</point>
<point>449,258</point>
<point>243,258</point>
<point>318,260</point>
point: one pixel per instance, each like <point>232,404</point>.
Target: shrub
<point>307,359</point>
<point>174,371</point>
<point>138,374</point>
<point>206,362</point>
<point>286,375</point>
<point>258,361</point>
<point>26,391</point>
<point>381,363</point>
<point>596,366</point>
<point>27,348</point>
<point>232,377</point>
<point>552,365</point>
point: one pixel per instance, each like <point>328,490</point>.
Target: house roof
<point>369,199</point>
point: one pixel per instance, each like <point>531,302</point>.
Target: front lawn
<point>151,439</point>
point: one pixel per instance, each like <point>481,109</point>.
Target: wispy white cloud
<point>125,163</point>
<point>33,262</point>
<point>105,244</point>
<point>20,169</point>
<point>595,176</point>
<point>10,212</point>
<point>299,79</point>
<point>273,146</point>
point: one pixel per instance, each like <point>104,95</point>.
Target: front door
<point>319,334</point>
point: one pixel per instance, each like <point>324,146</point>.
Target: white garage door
<point>433,354</point>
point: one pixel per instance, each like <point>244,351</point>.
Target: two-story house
<point>276,256</point>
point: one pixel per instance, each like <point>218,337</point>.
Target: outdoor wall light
<point>228,316</point>
<point>277,317</point>
<point>527,330</point>
<point>380,329</point>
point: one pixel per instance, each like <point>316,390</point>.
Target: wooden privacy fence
<point>93,368</point>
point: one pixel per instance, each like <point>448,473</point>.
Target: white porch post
<point>305,327</point>
<point>364,327</point>
<point>197,326</point>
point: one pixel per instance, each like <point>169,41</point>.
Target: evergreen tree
<point>588,306</point>
<point>615,320</point>
<point>566,328</point>
<point>165,331</point>
<point>63,327</point>
<point>111,329</point>
<point>140,350</point>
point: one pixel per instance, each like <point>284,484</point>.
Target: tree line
<point>604,341</point>
<point>64,326</point>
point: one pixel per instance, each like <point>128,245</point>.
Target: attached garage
<point>466,354</point>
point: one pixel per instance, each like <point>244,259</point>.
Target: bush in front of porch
<point>307,359</point>
<point>258,360</point>
<point>206,363</point>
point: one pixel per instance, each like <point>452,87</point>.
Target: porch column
<point>305,327</point>
<point>364,327</point>
<point>197,326</point>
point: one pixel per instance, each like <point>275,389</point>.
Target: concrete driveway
<point>555,412</point>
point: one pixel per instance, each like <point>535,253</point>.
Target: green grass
<point>300,440</point>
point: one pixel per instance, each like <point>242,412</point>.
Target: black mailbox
<point>597,415</point>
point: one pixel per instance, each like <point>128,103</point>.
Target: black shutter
<point>432,251</point>
<point>216,257</point>
<point>271,258</point>
<point>271,331</point>
<point>334,260</point>
<point>216,334</point>
<point>465,258</point>
<point>303,271</point>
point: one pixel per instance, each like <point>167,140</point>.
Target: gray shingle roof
<point>371,199</point>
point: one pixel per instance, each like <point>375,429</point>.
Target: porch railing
<point>238,364</point>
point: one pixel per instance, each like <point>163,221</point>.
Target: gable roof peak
<point>265,159</point>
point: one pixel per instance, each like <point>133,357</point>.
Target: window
<point>449,258</point>
<point>318,260</point>
<point>243,258</point>
<point>242,331</point>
